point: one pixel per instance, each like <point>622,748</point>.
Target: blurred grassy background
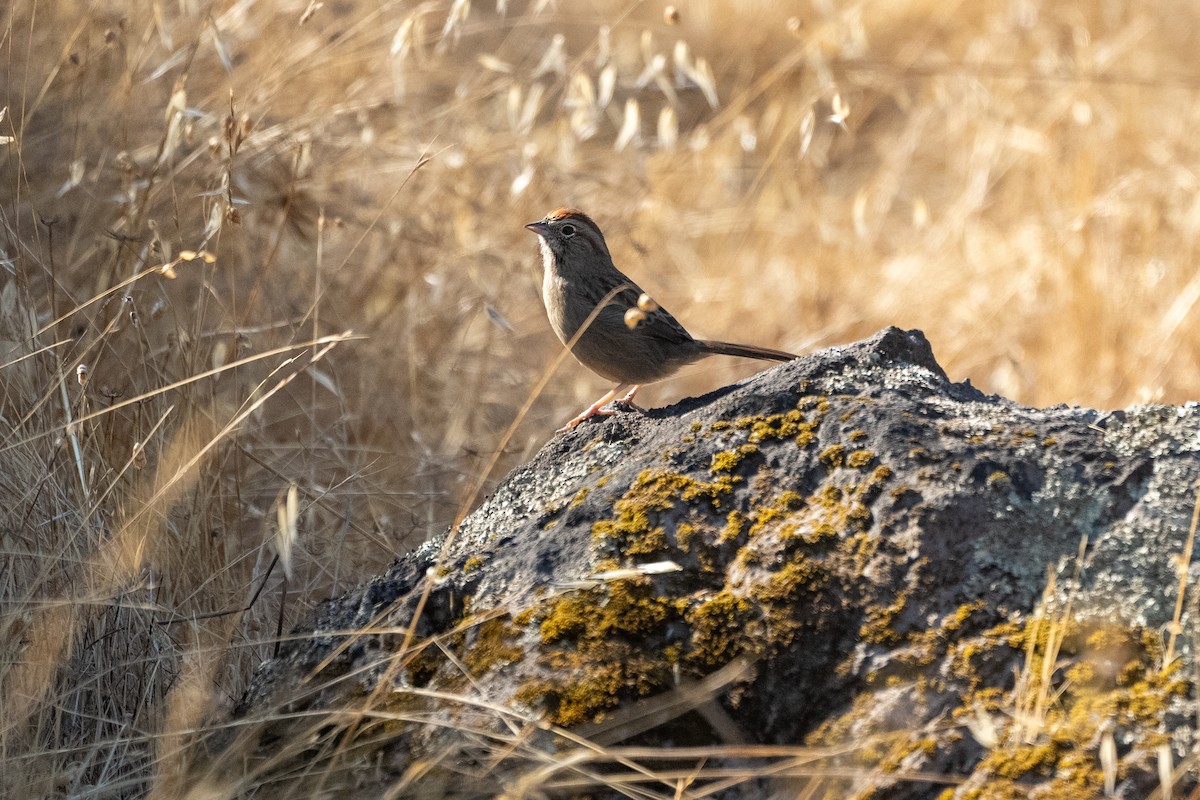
<point>1018,179</point>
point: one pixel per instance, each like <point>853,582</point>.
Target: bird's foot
<point>597,409</point>
<point>591,411</point>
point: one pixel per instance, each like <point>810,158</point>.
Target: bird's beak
<point>540,227</point>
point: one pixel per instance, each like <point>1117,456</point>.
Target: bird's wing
<point>656,322</point>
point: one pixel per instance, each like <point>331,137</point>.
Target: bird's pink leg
<point>594,410</point>
<point>628,398</point>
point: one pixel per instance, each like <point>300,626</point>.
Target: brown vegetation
<point>198,200</point>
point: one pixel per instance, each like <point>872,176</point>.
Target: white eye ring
<point>568,230</point>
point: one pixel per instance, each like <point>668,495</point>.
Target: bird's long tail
<point>744,350</point>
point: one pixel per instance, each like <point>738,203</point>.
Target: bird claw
<point>607,410</point>
<point>597,409</point>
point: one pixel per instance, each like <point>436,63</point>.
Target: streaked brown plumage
<point>579,275</point>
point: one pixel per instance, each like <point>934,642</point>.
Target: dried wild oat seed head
<point>671,15</point>
<point>841,110</point>
<point>646,303</point>
<point>313,7</point>
<point>633,317</point>
<point>220,353</point>
<point>668,128</point>
<point>629,128</point>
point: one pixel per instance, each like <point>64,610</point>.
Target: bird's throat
<point>553,292</point>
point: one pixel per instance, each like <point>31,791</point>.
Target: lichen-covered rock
<point>921,590</point>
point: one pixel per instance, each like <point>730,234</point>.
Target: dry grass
<point>1018,179</point>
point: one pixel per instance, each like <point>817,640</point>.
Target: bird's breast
<point>554,293</point>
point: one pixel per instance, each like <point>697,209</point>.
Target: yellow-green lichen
<point>780,593</point>
<point>494,645</point>
<point>833,509</point>
<point>783,508</point>
<point>735,524</point>
<point>791,500</point>
<point>815,403</point>
<point>591,644</point>
<point>627,608</point>
<point>720,630</point>
<point>1058,709</point>
<point>833,456</point>
<point>860,459</point>
<point>877,627</point>
<point>1042,734</point>
<point>859,516</point>
<point>772,426</point>
<point>684,533</point>
<point>472,563</point>
<point>588,694</point>
<point>799,577</point>
<point>789,425</point>
<point>634,531</point>
<point>729,460</point>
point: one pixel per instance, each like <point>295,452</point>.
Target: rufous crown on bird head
<point>558,230</point>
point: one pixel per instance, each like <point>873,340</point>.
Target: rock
<point>915,588</point>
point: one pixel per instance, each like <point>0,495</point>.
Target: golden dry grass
<point>1018,179</point>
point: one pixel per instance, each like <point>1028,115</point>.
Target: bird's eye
<point>568,230</point>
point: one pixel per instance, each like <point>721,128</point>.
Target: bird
<point>605,319</point>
